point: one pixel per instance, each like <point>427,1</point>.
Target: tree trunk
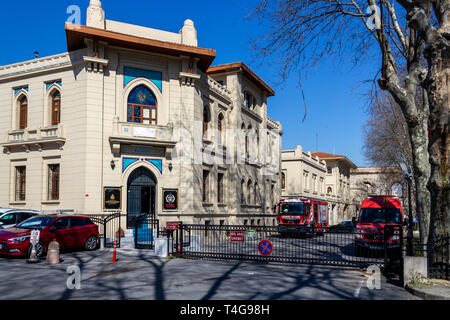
<point>421,167</point>
<point>437,85</point>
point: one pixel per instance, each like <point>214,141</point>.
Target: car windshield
<point>36,223</point>
<point>380,215</point>
<point>297,209</point>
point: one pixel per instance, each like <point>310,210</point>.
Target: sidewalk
<point>430,289</point>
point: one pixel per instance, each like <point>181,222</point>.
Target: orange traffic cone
<point>114,252</point>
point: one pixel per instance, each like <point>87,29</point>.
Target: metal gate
<point>112,227</point>
<point>329,246</point>
<point>146,229</point>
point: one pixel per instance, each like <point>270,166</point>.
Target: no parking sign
<point>34,239</point>
<point>265,247</point>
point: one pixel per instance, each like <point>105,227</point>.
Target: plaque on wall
<point>170,199</point>
<point>140,150</point>
<point>112,198</point>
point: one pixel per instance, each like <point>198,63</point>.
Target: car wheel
<point>40,250</point>
<point>91,243</point>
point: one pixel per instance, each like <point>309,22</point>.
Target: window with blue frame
<point>142,106</point>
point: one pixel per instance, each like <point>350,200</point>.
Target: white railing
<point>222,90</point>
<point>51,132</point>
<point>43,133</point>
<point>273,123</point>
<point>16,135</point>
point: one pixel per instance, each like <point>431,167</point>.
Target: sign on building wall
<point>170,199</point>
<point>112,198</point>
<point>142,150</point>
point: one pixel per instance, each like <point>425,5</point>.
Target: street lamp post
<point>410,219</point>
<point>408,176</point>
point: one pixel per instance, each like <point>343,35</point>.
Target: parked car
<point>10,217</point>
<point>344,226</point>
<point>347,224</point>
<point>70,231</point>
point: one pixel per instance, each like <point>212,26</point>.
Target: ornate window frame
<point>16,109</point>
<point>48,104</point>
<point>123,113</point>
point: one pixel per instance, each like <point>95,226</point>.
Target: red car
<point>69,231</point>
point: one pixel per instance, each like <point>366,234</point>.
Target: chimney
<point>189,34</point>
<point>95,15</point>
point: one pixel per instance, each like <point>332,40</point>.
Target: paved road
<point>152,278</point>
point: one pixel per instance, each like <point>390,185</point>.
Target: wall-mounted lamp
<point>170,166</point>
<point>113,164</point>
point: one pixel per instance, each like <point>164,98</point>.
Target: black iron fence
<point>437,255</point>
<point>438,258</point>
<point>330,246</point>
<point>113,227</point>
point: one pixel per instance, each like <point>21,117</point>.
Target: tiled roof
<point>247,71</point>
<point>330,156</point>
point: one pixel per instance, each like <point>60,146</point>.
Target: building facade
<point>337,186</point>
<point>302,175</point>
<point>367,181</point>
<point>135,119</point>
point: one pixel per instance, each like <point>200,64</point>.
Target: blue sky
<point>335,96</point>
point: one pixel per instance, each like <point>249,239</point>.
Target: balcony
<point>29,137</point>
<point>128,133</point>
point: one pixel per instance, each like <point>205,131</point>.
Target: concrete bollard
<point>53,252</point>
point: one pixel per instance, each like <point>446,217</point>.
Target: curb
<point>424,295</point>
<point>134,252</point>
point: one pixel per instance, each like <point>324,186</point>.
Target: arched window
<point>244,134</point>
<point>23,112</point>
<point>242,191</point>
<point>220,125</point>
<point>249,192</point>
<point>250,144</point>
<point>250,101</point>
<point>283,180</point>
<point>257,194</point>
<point>329,190</point>
<point>142,106</point>
<point>396,190</point>
<point>206,118</point>
<point>56,108</point>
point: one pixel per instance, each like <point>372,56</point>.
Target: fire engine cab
<point>302,212</point>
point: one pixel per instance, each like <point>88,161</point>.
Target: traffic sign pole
<point>34,239</point>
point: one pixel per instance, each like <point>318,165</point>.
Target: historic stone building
<point>302,175</point>
<point>367,181</point>
<point>337,186</point>
<point>136,119</point>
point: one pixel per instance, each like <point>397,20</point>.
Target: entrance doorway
<point>141,195</point>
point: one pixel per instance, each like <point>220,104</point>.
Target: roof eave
<point>240,66</point>
<point>75,35</point>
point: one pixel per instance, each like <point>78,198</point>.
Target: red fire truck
<point>376,212</point>
<point>296,213</point>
